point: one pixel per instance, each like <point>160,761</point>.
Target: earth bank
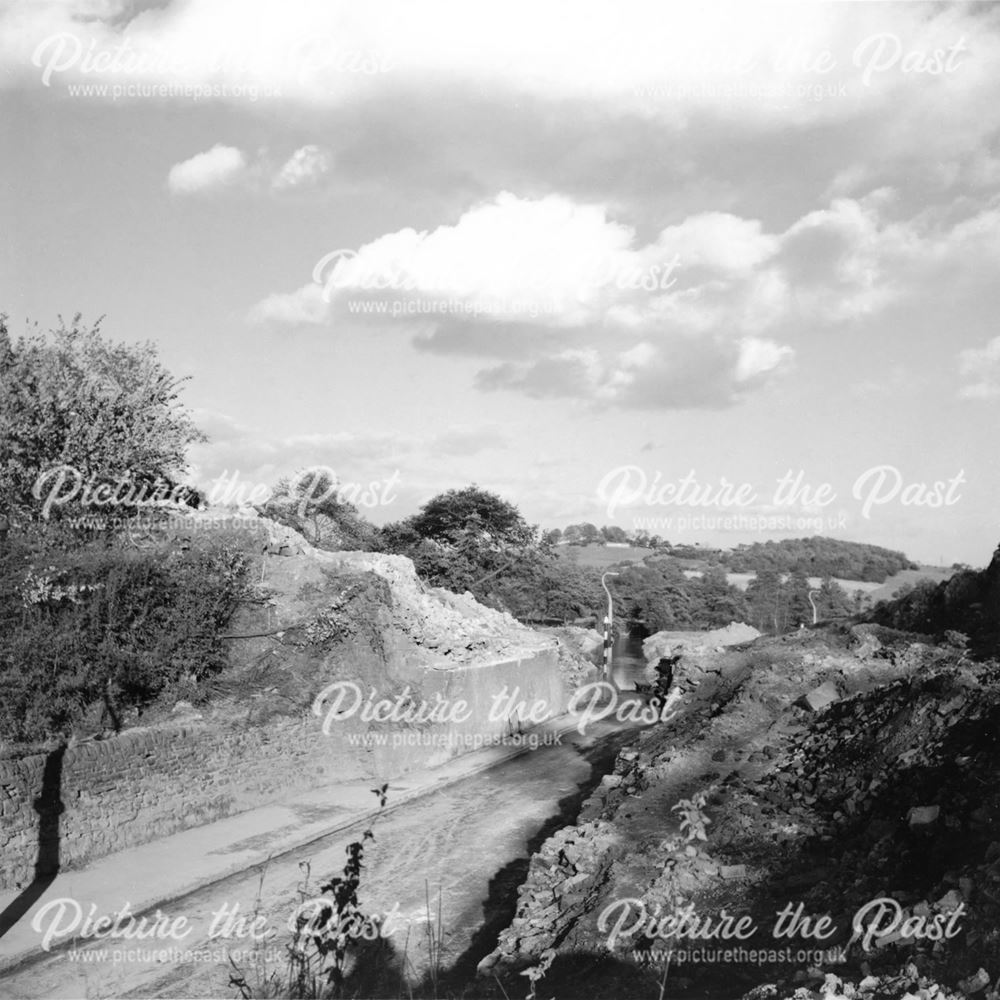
<point>813,774</point>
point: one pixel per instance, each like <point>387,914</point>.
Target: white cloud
<point>758,357</point>
<point>569,263</point>
<point>224,166</point>
<point>659,60</point>
<point>304,307</point>
<point>981,366</point>
<point>710,300</point>
<point>304,166</point>
<point>217,168</point>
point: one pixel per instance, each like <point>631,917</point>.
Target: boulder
<point>923,815</point>
<point>820,697</point>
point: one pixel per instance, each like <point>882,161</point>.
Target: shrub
<point>95,624</point>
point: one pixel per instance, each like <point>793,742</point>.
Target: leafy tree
<point>718,601</point>
<point>310,503</point>
<point>614,533</point>
<point>799,610</point>
<point>472,540</point>
<point>455,510</point>
<point>75,399</point>
<point>766,600</point>
<point>832,600</point>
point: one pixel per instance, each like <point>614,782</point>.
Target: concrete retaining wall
<point>74,805</point>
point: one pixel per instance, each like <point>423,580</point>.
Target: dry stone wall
<point>70,807</point>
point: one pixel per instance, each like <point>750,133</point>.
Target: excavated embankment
<point>845,773</point>
<point>344,667</point>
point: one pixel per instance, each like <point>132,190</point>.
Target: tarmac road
<point>463,850</point>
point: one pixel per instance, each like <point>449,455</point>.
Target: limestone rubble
<point>883,785</point>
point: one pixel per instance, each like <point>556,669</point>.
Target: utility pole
<point>608,620</point>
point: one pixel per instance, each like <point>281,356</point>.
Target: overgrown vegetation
<point>966,603</point>
<point>94,627</point>
<point>93,631</point>
<point>331,935</point>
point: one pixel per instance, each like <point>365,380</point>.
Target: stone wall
<point>68,807</point>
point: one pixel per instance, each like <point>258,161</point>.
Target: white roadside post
<point>608,619</point>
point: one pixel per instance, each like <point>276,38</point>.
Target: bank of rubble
<point>815,773</point>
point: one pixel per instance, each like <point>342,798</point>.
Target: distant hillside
<point>968,602</point>
<point>910,578</point>
<point>819,556</point>
<point>602,555</point>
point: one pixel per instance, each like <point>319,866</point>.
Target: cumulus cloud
<point>758,357</point>
<point>564,266</point>
<point>559,263</point>
<point>304,166</point>
<point>225,166</point>
<point>698,315</point>
<point>219,167</point>
<point>981,367</point>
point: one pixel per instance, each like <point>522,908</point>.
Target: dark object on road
<point>665,671</point>
<point>659,690</point>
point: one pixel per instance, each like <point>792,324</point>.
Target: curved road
<point>464,849</point>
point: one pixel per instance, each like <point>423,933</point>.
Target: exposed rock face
<point>451,628</point>
<point>693,653</point>
<point>561,887</point>
<point>674,643</point>
<point>580,652</point>
<point>888,791</point>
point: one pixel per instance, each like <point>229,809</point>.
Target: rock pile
<point>840,765</point>
<point>561,887</point>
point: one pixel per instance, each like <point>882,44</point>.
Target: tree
<point>832,600</point>
<point>614,533</point>
<point>455,510</point>
<point>720,602</point>
<point>798,608</point>
<point>309,502</point>
<point>79,411</point>
<point>553,537</point>
<point>764,594</point>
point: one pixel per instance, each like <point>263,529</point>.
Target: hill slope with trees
<point>818,556</point>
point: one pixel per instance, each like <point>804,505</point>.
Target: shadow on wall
<point>49,806</point>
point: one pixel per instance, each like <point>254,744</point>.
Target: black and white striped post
<point>608,620</point>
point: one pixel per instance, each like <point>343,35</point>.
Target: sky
<point>627,263</point>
